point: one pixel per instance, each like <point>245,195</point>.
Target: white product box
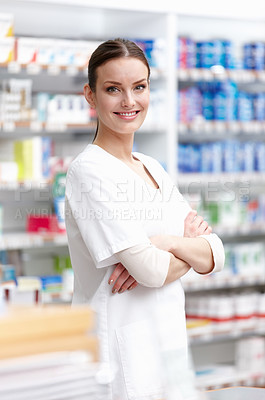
<point>27,50</point>
<point>6,25</point>
<point>7,48</point>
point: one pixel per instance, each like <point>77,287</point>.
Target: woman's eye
<point>140,87</point>
<point>112,89</point>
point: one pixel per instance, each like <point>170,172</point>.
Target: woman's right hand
<point>121,279</point>
<point>194,225</point>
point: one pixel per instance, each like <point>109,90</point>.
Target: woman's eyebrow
<point>113,82</point>
<point>119,83</point>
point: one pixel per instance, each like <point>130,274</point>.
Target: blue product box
<point>225,96</point>
<point>258,54</point>
<point>220,106</point>
<point>230,162</point>
<point>208,105</point>
<point>206,158</point>
<point>188,158</point>
<point>259,106</point>
<point>194,103</point>
<point>51,283</point>
<point>9,273</point>
<point>46,155</point>
<point>193,156</point>
<point>207,100</point>
<point>229,54</point>
<point>218,53</point>
<point>204,54</point>
<point>248,164</point>
<point>260,157</point>
<point>198,58</point>
<point>190,53</point>
<point>244,107</point>
<point>217,157</point>
<point>247,56</point>
<point>147,46</point>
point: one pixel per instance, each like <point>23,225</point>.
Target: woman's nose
<point>128,100</point>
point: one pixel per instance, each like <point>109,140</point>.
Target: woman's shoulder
<point>89,156</point>
<point>94,162</point>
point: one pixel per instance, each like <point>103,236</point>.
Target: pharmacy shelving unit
<point>214,345</point>
<point>100,20</point>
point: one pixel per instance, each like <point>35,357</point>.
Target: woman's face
<point>121,97</point>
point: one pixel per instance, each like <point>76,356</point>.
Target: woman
<point>129,228</point>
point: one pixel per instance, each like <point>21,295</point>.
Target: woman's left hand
<point>122,279</point>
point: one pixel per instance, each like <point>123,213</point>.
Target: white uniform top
<point>109,208</point>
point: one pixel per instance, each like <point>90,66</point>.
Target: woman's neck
<point>119,146</point>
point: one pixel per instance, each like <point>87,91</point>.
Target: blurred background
<point>206,126</point>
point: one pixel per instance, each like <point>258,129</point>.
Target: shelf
<point>217,72</point>
<point>23,240</point>
<point>222,178</point>
<point>210,333</point>
<point>217,377</point>
<point>11,130</point>
<point>202,130</point>
<point>54,78</point>
<point>231,282</point>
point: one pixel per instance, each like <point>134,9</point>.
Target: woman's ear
<point>89,95</point>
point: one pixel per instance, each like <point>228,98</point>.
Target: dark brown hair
<point>110,50</point>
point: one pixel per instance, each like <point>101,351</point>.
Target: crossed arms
<point>190,251</point>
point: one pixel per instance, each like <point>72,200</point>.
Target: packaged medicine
<point>27,50</point>
<point>46,52</point>
<point>7,49</point>
<point>6,25</point>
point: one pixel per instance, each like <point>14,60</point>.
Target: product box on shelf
<point>23,291</point>
<point>27,50</point>
<point>7,49</point>
<point>32,157</point>
<point>43,224</point>
<point>54,52</point>
<point>16,100</point>
<point>6,25</point>
<point>8,171</point>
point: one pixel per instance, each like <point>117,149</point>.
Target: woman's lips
<point>127,115</point>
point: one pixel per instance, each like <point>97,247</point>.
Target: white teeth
<point>129,114</point>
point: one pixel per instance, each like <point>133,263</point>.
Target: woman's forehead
<point>123,67</point>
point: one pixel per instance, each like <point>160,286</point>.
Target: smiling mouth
<point>127,114</point>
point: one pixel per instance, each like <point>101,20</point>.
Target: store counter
<point>237,393</point>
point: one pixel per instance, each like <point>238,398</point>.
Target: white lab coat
<point>110,208</point>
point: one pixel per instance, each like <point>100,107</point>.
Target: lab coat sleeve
<point>101,210</point>
<point>146,263</point>
<point>217,251</point>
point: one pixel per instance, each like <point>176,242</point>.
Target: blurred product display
<point>205,125</point>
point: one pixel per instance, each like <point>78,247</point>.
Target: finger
<point>202,228</point>
<point>127,284</point>
<point>133,285</point>
<point>190,217</point>
<point>208,230</point>
<point>118,270</point>
<point>197,221</point>
<point>120,281</point>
